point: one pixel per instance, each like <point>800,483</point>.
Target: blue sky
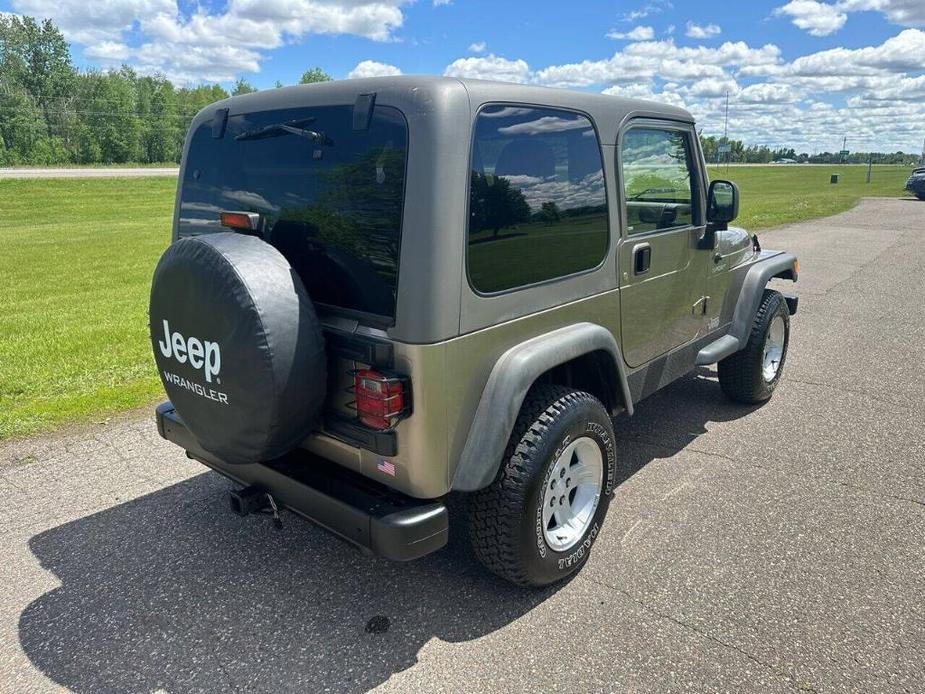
<point>803,72</point>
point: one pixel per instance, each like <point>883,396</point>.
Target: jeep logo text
<point>201,354</point>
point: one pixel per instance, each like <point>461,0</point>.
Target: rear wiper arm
<point>291,128</point>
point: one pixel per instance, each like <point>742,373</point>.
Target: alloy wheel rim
<point>573,492</point>
<point>773,349</point>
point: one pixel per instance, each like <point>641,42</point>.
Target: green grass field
<point>78,255</point>
<point>77,260</point>
<point>775,195</point>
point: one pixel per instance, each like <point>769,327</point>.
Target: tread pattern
<point>496,512</point>
<point>740,373</point>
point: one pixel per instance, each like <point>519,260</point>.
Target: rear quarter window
<point>537,202</point>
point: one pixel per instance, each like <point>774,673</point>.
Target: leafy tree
<point>315,74</point>
<point>549,212</point>
<point>495,204</point>
<point>242,86</point>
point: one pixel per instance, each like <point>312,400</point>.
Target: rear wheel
<point>536,523</point>
<point>751,374</point>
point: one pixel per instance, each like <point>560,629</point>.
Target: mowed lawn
<point>76,263</point>
<point>78,255</point>
<point>785,193</point>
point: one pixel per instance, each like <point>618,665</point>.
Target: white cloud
<point>370,68</point>
<point>108,51</point>
<point>818,18</point>
<point>642,61</point>
<point>702,31</point>
<point>439,3</point>
<point>768,93</point>
<point>490,67</point>
<point>650,8</point>
<point>640,33</point>
<point>208,45</point>
<point>904,52</point>
<point>904,12</point>
<point>478,47</point>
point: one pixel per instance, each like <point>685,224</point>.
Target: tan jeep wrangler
<point>383,291</point>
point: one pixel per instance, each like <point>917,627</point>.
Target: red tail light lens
<point>379,398</point>
<point>248,221</point>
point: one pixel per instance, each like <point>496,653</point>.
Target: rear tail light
<point>380,399</point>
<point>247,221</point>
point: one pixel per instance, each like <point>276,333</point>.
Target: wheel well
<point>595,373</point>
<point>785,274</point>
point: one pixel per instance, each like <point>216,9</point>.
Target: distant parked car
<point>916,183</point>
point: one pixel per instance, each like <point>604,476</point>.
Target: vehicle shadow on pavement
<point>172,591</point>
<point>672,419</point>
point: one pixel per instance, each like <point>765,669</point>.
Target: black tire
<point>920,196</point>
<point>741,374</point>
<point>505,519</point>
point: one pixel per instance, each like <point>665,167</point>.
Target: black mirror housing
<point>722,203</point>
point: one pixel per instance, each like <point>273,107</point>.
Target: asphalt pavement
<point>777,548</point>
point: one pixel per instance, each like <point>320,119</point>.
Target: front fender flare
<point>759,274</point>
<point>749,299</point>
<point>510,379</point>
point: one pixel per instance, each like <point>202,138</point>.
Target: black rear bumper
<point>368,514</point>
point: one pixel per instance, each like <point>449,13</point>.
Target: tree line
<point>739,153</point>
<point>53,113</point>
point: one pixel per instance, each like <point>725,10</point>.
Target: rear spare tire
<point>238,346</point>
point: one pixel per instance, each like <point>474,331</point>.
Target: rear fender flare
<point>510,379</point>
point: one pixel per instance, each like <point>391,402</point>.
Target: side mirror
<point>722,203</point>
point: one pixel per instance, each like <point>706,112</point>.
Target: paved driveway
<point>772,549</point>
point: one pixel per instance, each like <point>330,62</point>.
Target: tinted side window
<point>657,175</point>
<point>537,207</point>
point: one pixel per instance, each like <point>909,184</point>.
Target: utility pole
<point>726,132</point>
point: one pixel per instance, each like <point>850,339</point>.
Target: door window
<point>658,179</point>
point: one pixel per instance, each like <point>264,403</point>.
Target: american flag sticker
<point>386,466</point>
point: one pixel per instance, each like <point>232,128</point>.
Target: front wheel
<point>536,523</point>
<point>751,374</point>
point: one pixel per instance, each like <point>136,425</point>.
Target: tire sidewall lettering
<point>600,434</point>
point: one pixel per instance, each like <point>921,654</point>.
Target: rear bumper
<point>367,514</point>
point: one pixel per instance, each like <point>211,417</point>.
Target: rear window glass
<point>537,204</point>
<point>330,197</point>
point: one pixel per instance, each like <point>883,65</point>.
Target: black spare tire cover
<point>238,346</point>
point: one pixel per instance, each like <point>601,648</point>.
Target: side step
<point>362,511</point>
<point>718,350</point>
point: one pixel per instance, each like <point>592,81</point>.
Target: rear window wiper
<point>288,128</point>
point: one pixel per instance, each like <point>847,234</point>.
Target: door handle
<point>642,258</point>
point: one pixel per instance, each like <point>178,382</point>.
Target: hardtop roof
<point>605,108</point>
